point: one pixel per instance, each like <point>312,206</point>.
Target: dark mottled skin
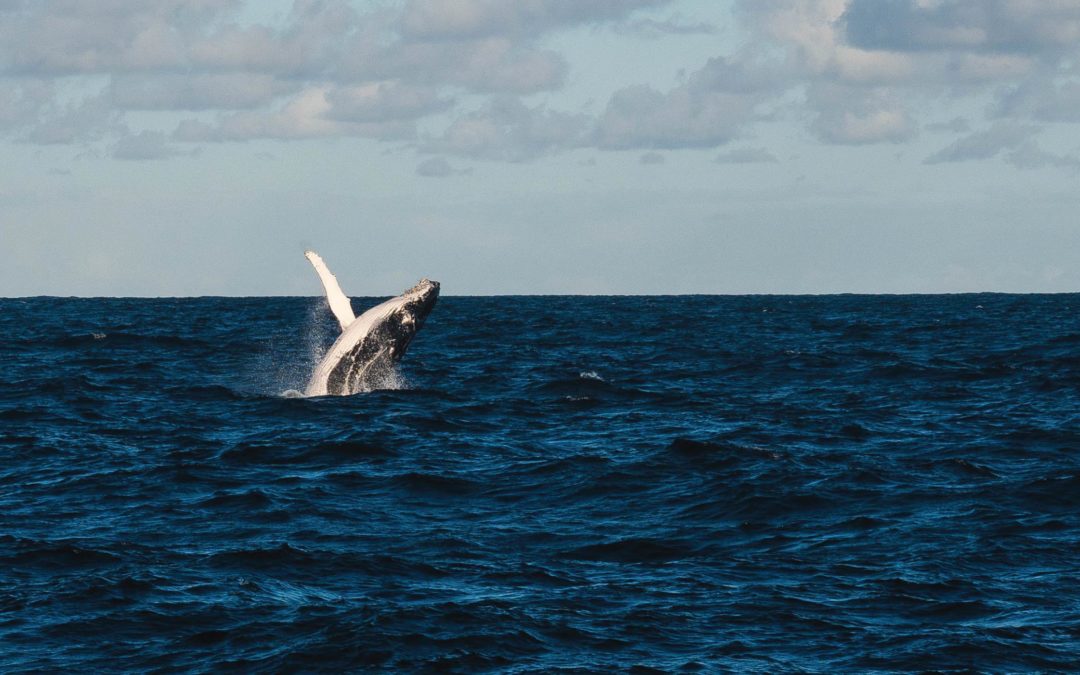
<point>380,349</point>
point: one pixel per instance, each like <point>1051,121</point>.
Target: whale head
<point>408,318</point>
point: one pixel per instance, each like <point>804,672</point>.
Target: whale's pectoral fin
<point>339,302</point>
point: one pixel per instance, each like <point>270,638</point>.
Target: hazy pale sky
<point>197,147</point>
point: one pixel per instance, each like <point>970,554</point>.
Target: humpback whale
<point>370,344</point>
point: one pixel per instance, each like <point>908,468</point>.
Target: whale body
<point>363,356</point>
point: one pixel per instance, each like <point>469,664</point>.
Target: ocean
<point>576,484</point>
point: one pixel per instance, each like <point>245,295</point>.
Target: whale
<point>364,355</point>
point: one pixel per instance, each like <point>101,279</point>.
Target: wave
<point>298,452</point>
<point>436,485</point>
<point>118,339</point>
<point>631,550</point>
<point>63,554</point>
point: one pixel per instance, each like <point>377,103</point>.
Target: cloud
<point>435,167</point>
<point>964,25</point>
<point>652,158</point>
<point>1028,155</point>
<point>22,102</point>
<point>653,28</point>
<point>867,64</point>
<point>330,68</point>
<point>145,145</point>
<point>489,65</point>
<point>856,116</point>
<point>311,44</point>
<point>746,156</point>
<point>847,41</point>
<point>850,72</point>
<point>707,111</point>
<point>64,37</point>
<point>956,125</point>
<point>384,102</point>
<point>442,19</point>
<point>984,144</point>
<point>508,130</point>
<point>207,91</point>
<point>78,122</point>
<point>487,46</point>
<point>308,115</point>
<point>1043,100</point>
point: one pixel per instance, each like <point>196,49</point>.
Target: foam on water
<point>319,333</point>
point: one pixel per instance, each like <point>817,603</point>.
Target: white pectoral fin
<point>339,302</point>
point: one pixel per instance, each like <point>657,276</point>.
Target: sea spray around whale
<point>294,366</point>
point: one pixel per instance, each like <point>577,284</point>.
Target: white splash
<point>289,368</point>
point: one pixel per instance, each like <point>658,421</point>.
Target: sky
<point>198,147</point>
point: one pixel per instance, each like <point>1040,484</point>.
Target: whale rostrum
<point>363,356</point>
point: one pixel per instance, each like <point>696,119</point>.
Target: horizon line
<point>553,295</point>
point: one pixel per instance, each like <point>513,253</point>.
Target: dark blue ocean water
<point>690,484</point>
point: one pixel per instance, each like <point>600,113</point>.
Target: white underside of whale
<point>347,341</point>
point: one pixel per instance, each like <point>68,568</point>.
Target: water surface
<point>861,483</point>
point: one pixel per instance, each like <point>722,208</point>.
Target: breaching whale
<point>364,354</point>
